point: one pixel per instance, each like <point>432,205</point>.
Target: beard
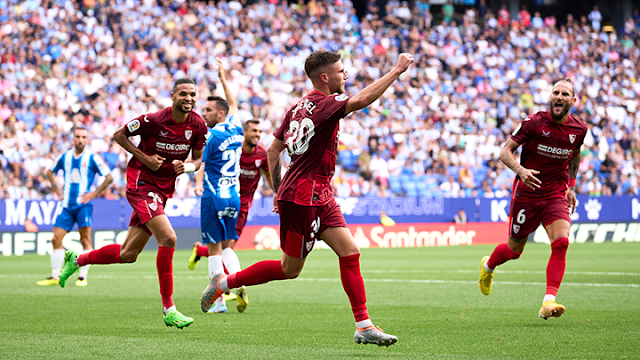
<point>563,112</point>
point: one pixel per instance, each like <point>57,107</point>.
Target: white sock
<point>364,324</point>
<point>231,261</point>
<point>486,267</point>
<point>215,265</point>
<point>84,271</point>
<point>166,311</point>
<point>57,258</point>
<point>548,297</point>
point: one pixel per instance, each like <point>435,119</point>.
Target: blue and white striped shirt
<point>221,159</point>
<point>79,173</point>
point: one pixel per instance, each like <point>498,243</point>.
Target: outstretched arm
<point>375,90</point>
<point>526,175</point>
<point>233,106</point>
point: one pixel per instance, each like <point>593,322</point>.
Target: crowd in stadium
<point>436,132</point>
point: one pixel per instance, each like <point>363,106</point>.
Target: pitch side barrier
<point>420,222</point>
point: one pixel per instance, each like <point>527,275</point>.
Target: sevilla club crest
<point>187,134</point>
<point>516,228</point>
<point>572,138</point>
<point>258,162</point>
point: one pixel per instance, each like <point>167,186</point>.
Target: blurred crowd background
<point>436,132</point>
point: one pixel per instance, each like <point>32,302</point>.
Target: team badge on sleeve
<point>133,125</point>
<point>341,97</point>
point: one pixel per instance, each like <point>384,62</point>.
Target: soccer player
<point>544,190</point>
<point>253,161</point>
<point>80,168</point>
<point>305,202</point>
<point>166,138</point>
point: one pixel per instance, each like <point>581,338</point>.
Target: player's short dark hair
<point>78,127</point>
<point>318,60</point>
<point>568,79</point>
<point>182,81</point>
<point>245,126</point>
<point>222,103</point>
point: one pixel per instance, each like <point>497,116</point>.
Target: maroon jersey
<point>547,147</point>
<point>250,166</point>
<point>310,134</point>
<point>161,134</point>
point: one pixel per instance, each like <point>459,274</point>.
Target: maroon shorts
<point>242,221</point>
<point>301,225</point>
<point>146,204</point>
<point>526,216</point>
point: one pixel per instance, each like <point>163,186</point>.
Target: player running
<point>167,137</point>
<point>253,161</point>
<point>544,190</point>
<point>219,190</point>
<point>79,167</point>
<point>305,201</point>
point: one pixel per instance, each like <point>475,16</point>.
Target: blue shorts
<point>218,218</point>
<point>81,214</point>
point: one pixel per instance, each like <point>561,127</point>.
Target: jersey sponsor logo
<point>572,138</point>
<point>75,176</point>
<point>248,173</point>
<point>134,125</point>
<point>164,133</point>
<point>547,133</point>
<point>341,97</point>
<point>187,134</point>
<point>172,147</point>
<point>554,150</point>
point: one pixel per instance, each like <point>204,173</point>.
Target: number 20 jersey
<point>221,159</point>
<point>310,135</point>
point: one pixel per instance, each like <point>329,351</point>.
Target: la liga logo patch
<point>133,125</point>
<point>341,97</point>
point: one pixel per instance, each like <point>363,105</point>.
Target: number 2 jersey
<point>222,159</point>
<point>310,135</point>
<point>161,134</point>
<point>547,147</point>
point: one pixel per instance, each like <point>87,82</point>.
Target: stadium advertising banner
<point>419,222</point>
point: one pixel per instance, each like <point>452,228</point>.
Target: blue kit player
<point>80,168</point>
<point>219,186</point>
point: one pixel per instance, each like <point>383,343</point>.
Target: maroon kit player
<point>253,162</point>
<point>166,138</point>
<point>305,201</point>
<point>544,190</point>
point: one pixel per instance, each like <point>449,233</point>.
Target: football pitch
<point>428,297</point>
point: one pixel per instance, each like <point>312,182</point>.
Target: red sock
<point>557,263</point>
<point>202,251</point>
<point>164,264</point>
<point>501,255</point>
<point>258,273</point>
<point>354,285</point>
<point>109,254</point>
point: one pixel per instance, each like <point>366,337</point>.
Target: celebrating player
<point>79,167</point>
<point>167,137</point>
<point>253,161</point>
<point>305,201</point>
<point>220,198</point>
<point>544,190</point>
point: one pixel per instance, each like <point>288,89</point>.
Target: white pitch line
<point>594,273</point>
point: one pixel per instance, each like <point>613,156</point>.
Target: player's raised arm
<point>375,90</point>
<point>526,175</point>
<point>275,168</point>
<point>233,105</point>
<point>153,162</point>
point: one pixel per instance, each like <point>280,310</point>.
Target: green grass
<point>428,297</point>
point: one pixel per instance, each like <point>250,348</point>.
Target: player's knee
<point>560,245</point>
<point>169,240</point>
<point>291,273</point>
<point>128,256</point>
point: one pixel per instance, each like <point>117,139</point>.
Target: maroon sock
<point>501,255</point>
<point>164,264</point>
<point>258,273</point>
<point>556,265</point>
<point>202,251</point>
<point>109,254</point>
<point>354,285</point>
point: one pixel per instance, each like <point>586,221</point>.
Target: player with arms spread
<point>305,201</point>
<point>166,138</point>
<point>80,167</point>
<point>544,190</point>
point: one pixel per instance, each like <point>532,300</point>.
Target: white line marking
<point>594,273</point>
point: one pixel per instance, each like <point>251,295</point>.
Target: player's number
<point>301,134</point>
<point>232,165</point>
<point>521,217</point>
